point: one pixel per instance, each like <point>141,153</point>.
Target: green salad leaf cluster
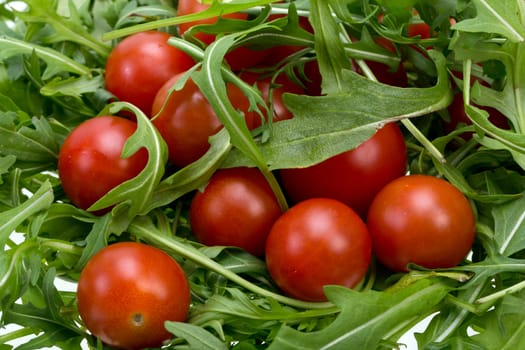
<point>52,57</point>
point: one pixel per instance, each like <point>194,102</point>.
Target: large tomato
<point>187,120</point>
<point>138,66</point>
<point>127,291</point>
<point>353,177</point>
<point>90,162</point>
<point>238,58</point>
<point>420,219</point>
<point>236,208</point>
<point>315,243</point>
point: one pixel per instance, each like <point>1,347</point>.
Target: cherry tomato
<point>238,58</point>
<point>90,162</point>
<point>353,177</point>
<point>315,243</point>
<point>420,29</point>
<point>420,219</point>
<point>127,291</point>
<point>138,66</point>
<point>237,208</point>
<point>187,120</point>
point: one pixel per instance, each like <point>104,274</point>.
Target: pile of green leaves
<point>52,56</point>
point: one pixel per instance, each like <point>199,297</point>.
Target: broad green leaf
<point>197,337</point>
<point>502,17</point>
<point>365,318</point>
<point>324,126</point>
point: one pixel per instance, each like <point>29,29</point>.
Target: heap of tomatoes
<point>343,211</point>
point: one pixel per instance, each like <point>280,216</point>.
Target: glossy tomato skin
<point>127,291</point>
<point>353,177</point>
<point>140,64</point>
<point>315,243</point>
<point>187,120</point>
<point>236,208</point>
<point>238,58</point>
<point>421,219</point>
<point>90,163</point>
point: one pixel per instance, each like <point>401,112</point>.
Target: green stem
<point>421,138</point>
<point>150,234</point>
<point>16,334</point>
<point>500,294</point>
<point>61,246</point>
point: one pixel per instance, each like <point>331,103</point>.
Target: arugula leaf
<point>503,327</point>
<point>378,314</point>
<point>329,48</point>
<point>11,219</point>
<point>136,192</point>
<point>56,62</point>
<point>499,16</point>
<point>328,125</point>
<point>66,28</point>
<point>509,221</point>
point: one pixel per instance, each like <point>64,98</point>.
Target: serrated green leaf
<point>56,62</point>
<point>324,126</point>
<point>72,86</point>
<point>365,318</point>
<point>36,145</point>
<point>329,48</point>
<point>504,327</point>
<point>502,17</point>
<point>66,28</point>
<point>11,219</point>
<point>137,191</point>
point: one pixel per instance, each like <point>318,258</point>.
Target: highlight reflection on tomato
<point>353,177</point>
<point>423,220</point>
<point>315,243</point>
<point>127,291</point>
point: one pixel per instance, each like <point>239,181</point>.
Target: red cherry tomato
<point>187,120</point>
<point>90,162</point>
<point>315,243</point>
<point>139,65</point>
<point>353,177</point>
<point>127,291</point>
<point>423,220</point>
<point>420,29</point>
<point>237,208</point>
<point>238,58</point>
